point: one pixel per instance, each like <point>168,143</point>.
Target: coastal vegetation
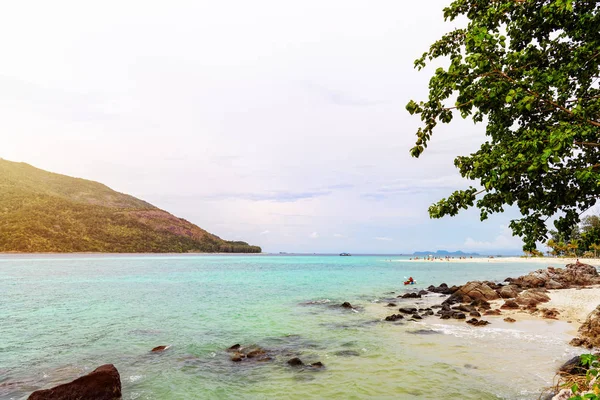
<point>529,71</point>
<point>45,212</point>
<point>582,241</point>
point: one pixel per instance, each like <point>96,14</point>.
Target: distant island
<point>45,212</point>
<point>444,253</point>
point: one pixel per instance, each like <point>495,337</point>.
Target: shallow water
<point>62,316</point>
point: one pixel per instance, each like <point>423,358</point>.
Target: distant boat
<point>345,254</point>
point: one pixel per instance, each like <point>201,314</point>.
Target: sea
<point>61,316</point>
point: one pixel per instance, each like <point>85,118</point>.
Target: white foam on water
<point>135,378</point>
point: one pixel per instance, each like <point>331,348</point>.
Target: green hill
<point>45,212</point>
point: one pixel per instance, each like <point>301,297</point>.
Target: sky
<point>280,123</point>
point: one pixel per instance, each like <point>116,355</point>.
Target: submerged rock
<point>235,347</point>
<point>391,305</point>
<point>394,317</point>
<point>295,362</point>
<point>347,305</point>
<point>476,322</point>
<point>407,310</point>
<point>104,383</point>
<point>237,357</point>
<point>509,319</point>
<point>159,349</point>
<point>318,364</point>
<point>411,296</point>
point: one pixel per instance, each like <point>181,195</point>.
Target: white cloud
<point>314,235</point>
<point>383,238</point>
<point>338,235</point>
<point>504,241</point>
<point>265,232</point>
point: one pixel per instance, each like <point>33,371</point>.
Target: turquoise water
<point>62,316</point>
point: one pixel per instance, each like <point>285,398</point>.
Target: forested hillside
<point>46,212</point>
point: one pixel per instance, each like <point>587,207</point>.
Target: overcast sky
<point>281,123</point>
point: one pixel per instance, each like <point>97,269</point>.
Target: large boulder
<point>590,330</point>
<point>472,291</point>
<point>531,297</point>
<point>509,291</point>
<point>104,383</point>
<point>573,275</point>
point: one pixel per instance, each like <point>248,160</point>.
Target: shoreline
<point>550,261</point>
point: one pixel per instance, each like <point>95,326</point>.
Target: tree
<point>529,70</point>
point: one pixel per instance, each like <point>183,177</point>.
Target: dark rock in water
<point>295,362</point>
<point>573,367</point>
<point>237,357</point>
<point>509,319</point>
<point>458,315</point>
<point>347,353</point>
<point>437,306</point>
<point>347,305</point>
<point>476,322</point>
<point>104,383</point>
<point>428,312</point>
<point>445,316</point>
<point>423,292</point>
<point>475,314</point>
<point>411,296</point>
<point>256,353</point>
<point>235,347</point>
<point>407,310</point>
<point>470,366</point>
<point>318,364</point>
<point>391,305</point>
<point>416,316</point>
<point>158,349</point>
<point>423,332</point>
<point>394,317</point>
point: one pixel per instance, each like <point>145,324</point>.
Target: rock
<point>295,362</point>
<point>423,292</point>
<point>394,317</point>
<point>428,312</point>
<point>416,316</point>
<point>256,353</point>
<point>464,308</point>
<point>407,310</point>
<point>509,319</point>
<point>509,305</point>
<point>481,304</point>
<point>492,312</point>
<point>237,356</point>
<point>531,297</point>
<point>509,291</point>
<point>158,349</point>
<point>474,314</point>
<point>104,383</point>
<point>318,364</point>
<point>445,316</point>
<point>590,329</point>
<point>581,342</point>
<point>411,296</point>
<point>473,290</point>
<point>573,275</point>
<point>458,315</point>
<point>476,322</point>
<point>235,347</point>
<point>391,305</point>
<point>550,313</point>
<point>573,367</point>
<point>347,305</point>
